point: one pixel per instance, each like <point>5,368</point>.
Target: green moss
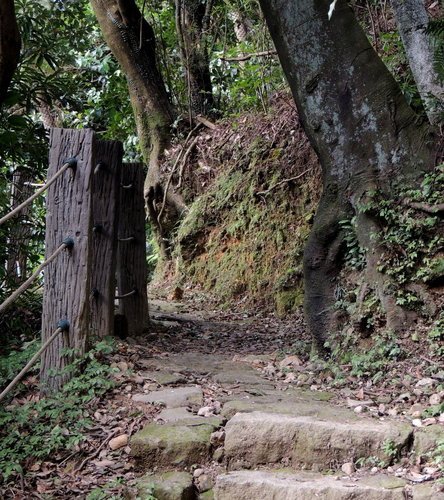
<point>207,495</point>
<point>235,242</point>
<point>288,301</point>
<point>172,485</point>
<point>176,444</point>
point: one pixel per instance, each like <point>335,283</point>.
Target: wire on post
<point>67,243</point>
<point>70,163</point>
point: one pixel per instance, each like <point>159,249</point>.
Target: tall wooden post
<point>131,262</point>
<point>67,280</point>
<point>106,190</point>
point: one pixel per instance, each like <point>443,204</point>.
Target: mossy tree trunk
<point>10,44</point>
<point>132,41</point>
<point>192,24</point>
<point>363,131</point>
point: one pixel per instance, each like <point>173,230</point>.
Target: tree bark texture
<point>132,41</point>
<point>362,129</point>
<point>105,208</point>
<point>412,19</point>
<point>132,266</point>
<point>10,44</point>
<point>192,25</point>
<point>67,280</point>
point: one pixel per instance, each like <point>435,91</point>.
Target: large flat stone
<point>166,486</point>
<point>273,402</point>
<point>292,401</point>
<point>428,491</point>
<point>176,414</point>
<point>176,444</point>
<point>249,485</point>
<point>231,374</point>
<point>260,438</point>
<point>172,398</point>
<point>164,377</point>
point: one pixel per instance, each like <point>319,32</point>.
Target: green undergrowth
<point>21,321</point>
<point>438,455</point>
<point>244,236</point>
<point>369,359</point>
<point>51,426</point>
<point>436,336</point>
<point>411,238</point>
<point>12,362</point>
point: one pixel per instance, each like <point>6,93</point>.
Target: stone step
<point>176,444</point>
<point>171,485</point>
<point>310,442</point>
<point>248,485</point>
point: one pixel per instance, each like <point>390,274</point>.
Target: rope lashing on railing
<point>67,243</point>
<point>71,163</point>
<point>125,295</point>
<point>63,326</point>
<point>124,240</point>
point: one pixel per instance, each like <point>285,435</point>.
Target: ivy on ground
<point>56,424</point>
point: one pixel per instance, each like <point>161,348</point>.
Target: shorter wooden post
<point>68,278</point>
<point>131,260</point>
<point>106,191</point>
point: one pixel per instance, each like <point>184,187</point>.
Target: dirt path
<point>228,424</point>
<point>185,329</point>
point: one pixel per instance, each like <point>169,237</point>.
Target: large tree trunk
<point>360,125</point>
<point>192,24</point>
<point>412,19</point>
<point>131,39</point>
<point>9,45</point>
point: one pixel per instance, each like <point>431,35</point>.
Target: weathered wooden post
<point>67,280</point>
<point>131,261</point>
<point>105,207</point>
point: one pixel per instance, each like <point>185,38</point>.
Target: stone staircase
<point>248,485</point>
<point>271,444</point>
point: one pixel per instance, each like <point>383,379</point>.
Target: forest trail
<point>227,428</point>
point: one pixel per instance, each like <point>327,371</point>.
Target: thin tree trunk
<point>192,25</point>
<point>9,45</point>
<point>365,134</point>
<point>132,41</point>
<point>412,19</point>
<point>20,232</point>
